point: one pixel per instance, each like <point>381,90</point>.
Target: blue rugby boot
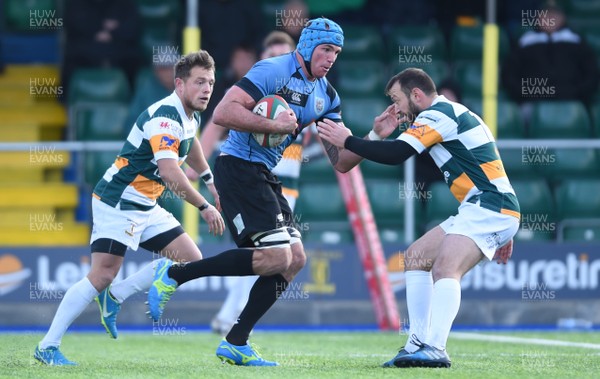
<point>52,356</point>
<point>109,308</point>
<point>241,355</point>
<point>161,290</point>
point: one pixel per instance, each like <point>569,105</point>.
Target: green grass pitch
<point>301,355</point>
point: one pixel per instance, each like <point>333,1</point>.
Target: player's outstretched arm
<point>386,152</point>
<point>178,183</point>
<point>344,159</point>
<point>234,111</point>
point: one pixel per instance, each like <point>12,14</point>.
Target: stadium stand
<point>36,206</point>
<point>559,119</point>
<point>578,206</point>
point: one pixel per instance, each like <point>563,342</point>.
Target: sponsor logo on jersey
<point>166,142</point>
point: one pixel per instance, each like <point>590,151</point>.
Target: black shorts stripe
<point>160,241</point>
<point>110,246</point>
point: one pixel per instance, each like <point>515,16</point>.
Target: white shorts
<point>488,229</point>
<point>129,227</point>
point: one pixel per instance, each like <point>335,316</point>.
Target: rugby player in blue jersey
<point>256,212</point>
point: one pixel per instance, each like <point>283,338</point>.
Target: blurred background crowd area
<point>75,70</point>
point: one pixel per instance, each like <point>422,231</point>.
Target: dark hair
<point>199,58</point>
<point>278,37</point>
<point>410,79</point>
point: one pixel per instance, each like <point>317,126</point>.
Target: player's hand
<point>504,253</point>
<point>213,218</point>
<point>286,122</point>
<point>213,191</point>
<point>387,122</point>
<point>333,132</point>
<point>191,174</point>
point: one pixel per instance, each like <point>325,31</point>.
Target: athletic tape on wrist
<point>373,136</point>
<point>207,176</point>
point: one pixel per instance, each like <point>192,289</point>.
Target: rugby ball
<point>270,106</point>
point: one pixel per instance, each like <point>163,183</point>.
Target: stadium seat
<point>321,213</point>
<point>386,200</point>
<point>388,208</point>
<point>469,75</point>
<point>413,43</point>
<point>578,198</point>
<point>18,17</point>
<point>328,237</point>
<point>320,201</point>
<point>154,43</point>
<point>592,37</point>
<point>595,113</point>
<point>362,41</point>
<point>559,119</point>
<point>159,11</point>
<point>360,78</point>
<point>583,8</point>
<point>317,169</point>
<point>538,215</point>
<point>358,114</point>
<point>374,170</point>
<point>581,234</point>
<point>437,70</point>
<point>578,202</point>
<point>565,164</point>
<point>466,43</point>
<point>441,205</point>
<point>101,122</point>
<point>509,124</point>
<point>518,165</point>
<point>95,165</point>
<point>98,85</point>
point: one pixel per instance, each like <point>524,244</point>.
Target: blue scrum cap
<point>317,32</point>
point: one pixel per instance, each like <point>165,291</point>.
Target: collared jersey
<point>310,101</point>
<point>464,149</point>
<point>163,131</point>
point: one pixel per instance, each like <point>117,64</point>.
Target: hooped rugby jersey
<point>464,149</point>
<point>161,131</point>
<point>310,101</point>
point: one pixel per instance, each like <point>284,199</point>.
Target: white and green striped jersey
<point>464,149</point>
<point>163,131</point>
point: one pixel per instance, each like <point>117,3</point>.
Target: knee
<point>101,279</point>
<point>441,271</point>
<point>416,259</point>
<point>275,260</point>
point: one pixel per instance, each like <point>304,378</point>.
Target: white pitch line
<point>521,340</point>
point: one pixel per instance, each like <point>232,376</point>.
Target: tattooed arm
<point>342,160</point>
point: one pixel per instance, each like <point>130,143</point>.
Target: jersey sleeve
<point>430,127</point>
<point>261,80</point>
<point>164,135</point>
<point>334,113</point>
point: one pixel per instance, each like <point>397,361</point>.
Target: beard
<point>190,105</point>
<point>413,111</point>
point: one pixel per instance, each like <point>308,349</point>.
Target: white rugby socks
<point>445,305</point>
<point>419,287</point>
<point>76,299</point>
<point>139,281</point>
